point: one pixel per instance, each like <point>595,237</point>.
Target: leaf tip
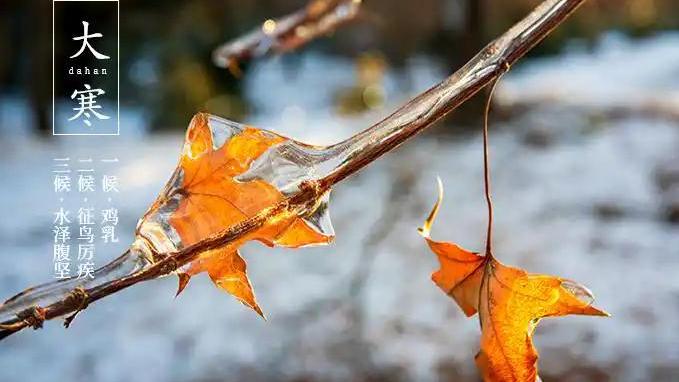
<point>254,306</point>
<point>584,298</point>
<point>259,311</point>
<point>183,282</point>
<point>425,230</point>
<point>594,311</point>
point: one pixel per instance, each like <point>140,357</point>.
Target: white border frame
<point>117,74</point>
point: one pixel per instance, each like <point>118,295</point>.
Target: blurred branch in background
<point>318,18</point>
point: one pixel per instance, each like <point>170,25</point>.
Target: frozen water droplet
<point>222,130</point>
<point>319,220</point>
<point>284,166</point>
<point>579,291</point>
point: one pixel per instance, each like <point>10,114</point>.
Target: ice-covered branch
<point>318,18</point>
<point>302,173</point>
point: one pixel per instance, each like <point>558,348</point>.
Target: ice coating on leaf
<point>229,173</point>
<point>319,220</point>
<point>578,290</point>
<point>284,166</point>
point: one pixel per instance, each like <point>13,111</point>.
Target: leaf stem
<point>486,170</point>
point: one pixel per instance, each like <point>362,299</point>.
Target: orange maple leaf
<point>205,197</point>
<point>510,303</point>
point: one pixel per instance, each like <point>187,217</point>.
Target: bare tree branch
<point>318,18</point>
<point>362,149</point>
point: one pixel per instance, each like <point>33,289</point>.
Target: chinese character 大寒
<point>86,43</point>
<point>87,104</point>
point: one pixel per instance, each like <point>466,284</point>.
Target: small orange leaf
<point>204,197</point>
<point>510,302</point>
<point>228,271</point>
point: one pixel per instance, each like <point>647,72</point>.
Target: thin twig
<point>407,121</point>
<point>316,19</point>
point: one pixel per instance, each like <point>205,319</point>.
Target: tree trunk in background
<point>473,35</point>
<point>40,58</point>
<point>470,40</point>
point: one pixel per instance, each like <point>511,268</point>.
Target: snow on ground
<point>642,75</point>
<point>582,203</point>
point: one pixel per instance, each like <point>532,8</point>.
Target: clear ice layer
<point>284,165</point>
<point>133,260</point>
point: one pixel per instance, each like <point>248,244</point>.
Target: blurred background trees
<point>166,45</point>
